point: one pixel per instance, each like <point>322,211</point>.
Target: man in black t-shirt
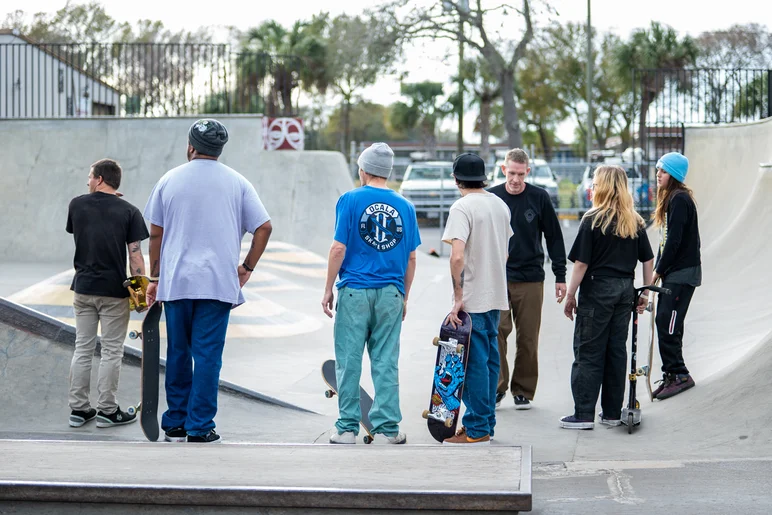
<point>103,226</point>
<point>532,216</point>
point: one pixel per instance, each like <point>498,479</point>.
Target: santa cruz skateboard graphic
<point>448,379</point>
<point>365,401</point>
<point>151,348</point>
<point>631,415</point>
<point>137,286</point>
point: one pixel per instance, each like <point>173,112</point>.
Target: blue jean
<point>195,332</point>
<point>372,318</point>
<point>482,375</point>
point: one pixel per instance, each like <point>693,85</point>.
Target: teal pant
<point>372,318</point>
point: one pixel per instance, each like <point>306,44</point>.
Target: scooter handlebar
<point>664,291</point>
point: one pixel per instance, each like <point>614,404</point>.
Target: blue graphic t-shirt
<point>379,229</point>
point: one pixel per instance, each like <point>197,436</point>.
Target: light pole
<point>589,83</point>
<point>463,6</point>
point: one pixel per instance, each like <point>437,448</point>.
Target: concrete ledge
<point>495,478</point>
<point>39,324</point>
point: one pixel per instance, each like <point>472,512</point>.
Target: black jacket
<point>680,245</point>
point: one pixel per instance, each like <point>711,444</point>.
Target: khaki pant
<point>113,314</point>
<point>525,303</point>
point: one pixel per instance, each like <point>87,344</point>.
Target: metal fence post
<point>769,93</point>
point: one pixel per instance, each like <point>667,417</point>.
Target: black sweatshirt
<point>680,247</point>
<point>532,215</point>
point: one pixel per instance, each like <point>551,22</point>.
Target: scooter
<point>631,415</point>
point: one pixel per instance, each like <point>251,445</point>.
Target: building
<point>45,81</point>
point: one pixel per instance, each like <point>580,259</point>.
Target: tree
<point>478,78</point>
<point>367,122</point>
<point>441,20</point>
<point>289,59</point>
<point>423,111</point>
<point>739,46</point>
<point>655,48</point>
<point>359,51</point>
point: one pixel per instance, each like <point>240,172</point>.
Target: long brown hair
<point>665,195</point>
<point>613,204</point>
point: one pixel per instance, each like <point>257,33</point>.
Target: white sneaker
<point>609,421</point>
<point>399,438</point>
<point>346,438</point>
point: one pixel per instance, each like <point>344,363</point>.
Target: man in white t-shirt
<point>198,214</point>
<point>478,231</point>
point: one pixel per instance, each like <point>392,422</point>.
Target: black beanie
<point>208,137</point>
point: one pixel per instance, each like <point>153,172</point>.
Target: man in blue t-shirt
<point>373,253</point>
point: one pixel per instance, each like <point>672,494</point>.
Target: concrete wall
<point>45,163</point>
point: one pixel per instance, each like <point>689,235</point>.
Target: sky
<point>427,60</point>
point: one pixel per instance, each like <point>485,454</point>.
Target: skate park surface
<point>708,450</point>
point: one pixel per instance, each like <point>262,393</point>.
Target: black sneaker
<point>78,418</point>
<point>176,435</point>
<point>521,402</point>
<point>118,418</point>
<point>210,437</point>
<point>663,383</point>
<point>499,397</point>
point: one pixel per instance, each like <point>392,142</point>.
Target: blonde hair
<point>517,155</point>
<point>612,204</point>
<point>665,195</point>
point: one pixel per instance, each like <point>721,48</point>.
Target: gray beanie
<point>208,137</point>
<point>377,159</point>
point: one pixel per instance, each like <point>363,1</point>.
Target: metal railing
<point>143,79</point>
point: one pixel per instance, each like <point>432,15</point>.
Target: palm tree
<point>655,49</point>
<point>422,111</point>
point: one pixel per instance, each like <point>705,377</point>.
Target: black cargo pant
<point>671,313</point>
<point>602,326</point>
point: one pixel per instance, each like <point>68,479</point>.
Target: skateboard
<point>651,308</point>
<point>631,415</point>
<point>448,379</point>
<point>137,286</point>
<point>151,348</point>
<point>365,401</point>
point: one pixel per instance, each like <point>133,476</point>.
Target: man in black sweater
<point>532,216</point>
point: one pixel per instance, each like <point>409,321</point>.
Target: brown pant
<point>525,303</point>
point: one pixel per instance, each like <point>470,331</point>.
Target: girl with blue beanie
<point>679,267</point>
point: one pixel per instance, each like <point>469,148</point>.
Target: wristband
<point>152,279</point>
<point>246,267</point>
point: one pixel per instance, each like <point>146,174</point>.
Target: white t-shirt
<point>205,209</point>
<point>481,220</point>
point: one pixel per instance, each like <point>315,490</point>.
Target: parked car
<point>430,187</point>
<point>541,175</point>
<point>637,185</point>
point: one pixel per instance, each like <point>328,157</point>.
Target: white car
<point>541,175</point>
<point>430,187</point>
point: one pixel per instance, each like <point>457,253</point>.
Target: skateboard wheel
<point>329,394</point>
<point>368,439</point>
<point>134,335</point>
<point>436,341</point>
<point>131,410</point>
<point>459,348</point>
<point>425,414</point>
<point>448,422</point>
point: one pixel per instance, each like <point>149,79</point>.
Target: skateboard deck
<point>137,286</point>
<point>151,348</point>
<point>365,401</point>
<point>448,379</point>
<point>652,308</point>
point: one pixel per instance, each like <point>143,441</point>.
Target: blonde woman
<point>678,265</point>
<point>610,243</point>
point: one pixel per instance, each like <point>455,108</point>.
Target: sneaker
<point>678,384</point>
<point>499,397</point>
<point>210,437</point>
<point>398,439</point>
<point>521,402</point>
<point>613,422</point>
<point>78,418</point>
<point>461,438</point>
<point>571,422</point>
<point>176,435</point>
<point>663,383</point>
<point>345,438</point>
<point>118,418</point>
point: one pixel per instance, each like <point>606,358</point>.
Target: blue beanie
<point>677,165</point>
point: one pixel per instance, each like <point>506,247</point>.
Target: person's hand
<point>151,293</point>
<point>560,291</point>
<point>570,307</point>
<point>404,309</point>
<point>643,301</point>
<point>452,319</point>
<point>244,276</point>
<point>327,300</point>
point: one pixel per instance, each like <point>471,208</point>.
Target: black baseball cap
<point>469,167</point>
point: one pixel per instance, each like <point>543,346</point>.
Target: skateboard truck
<point>439,417</point>
<point>452,345</point>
